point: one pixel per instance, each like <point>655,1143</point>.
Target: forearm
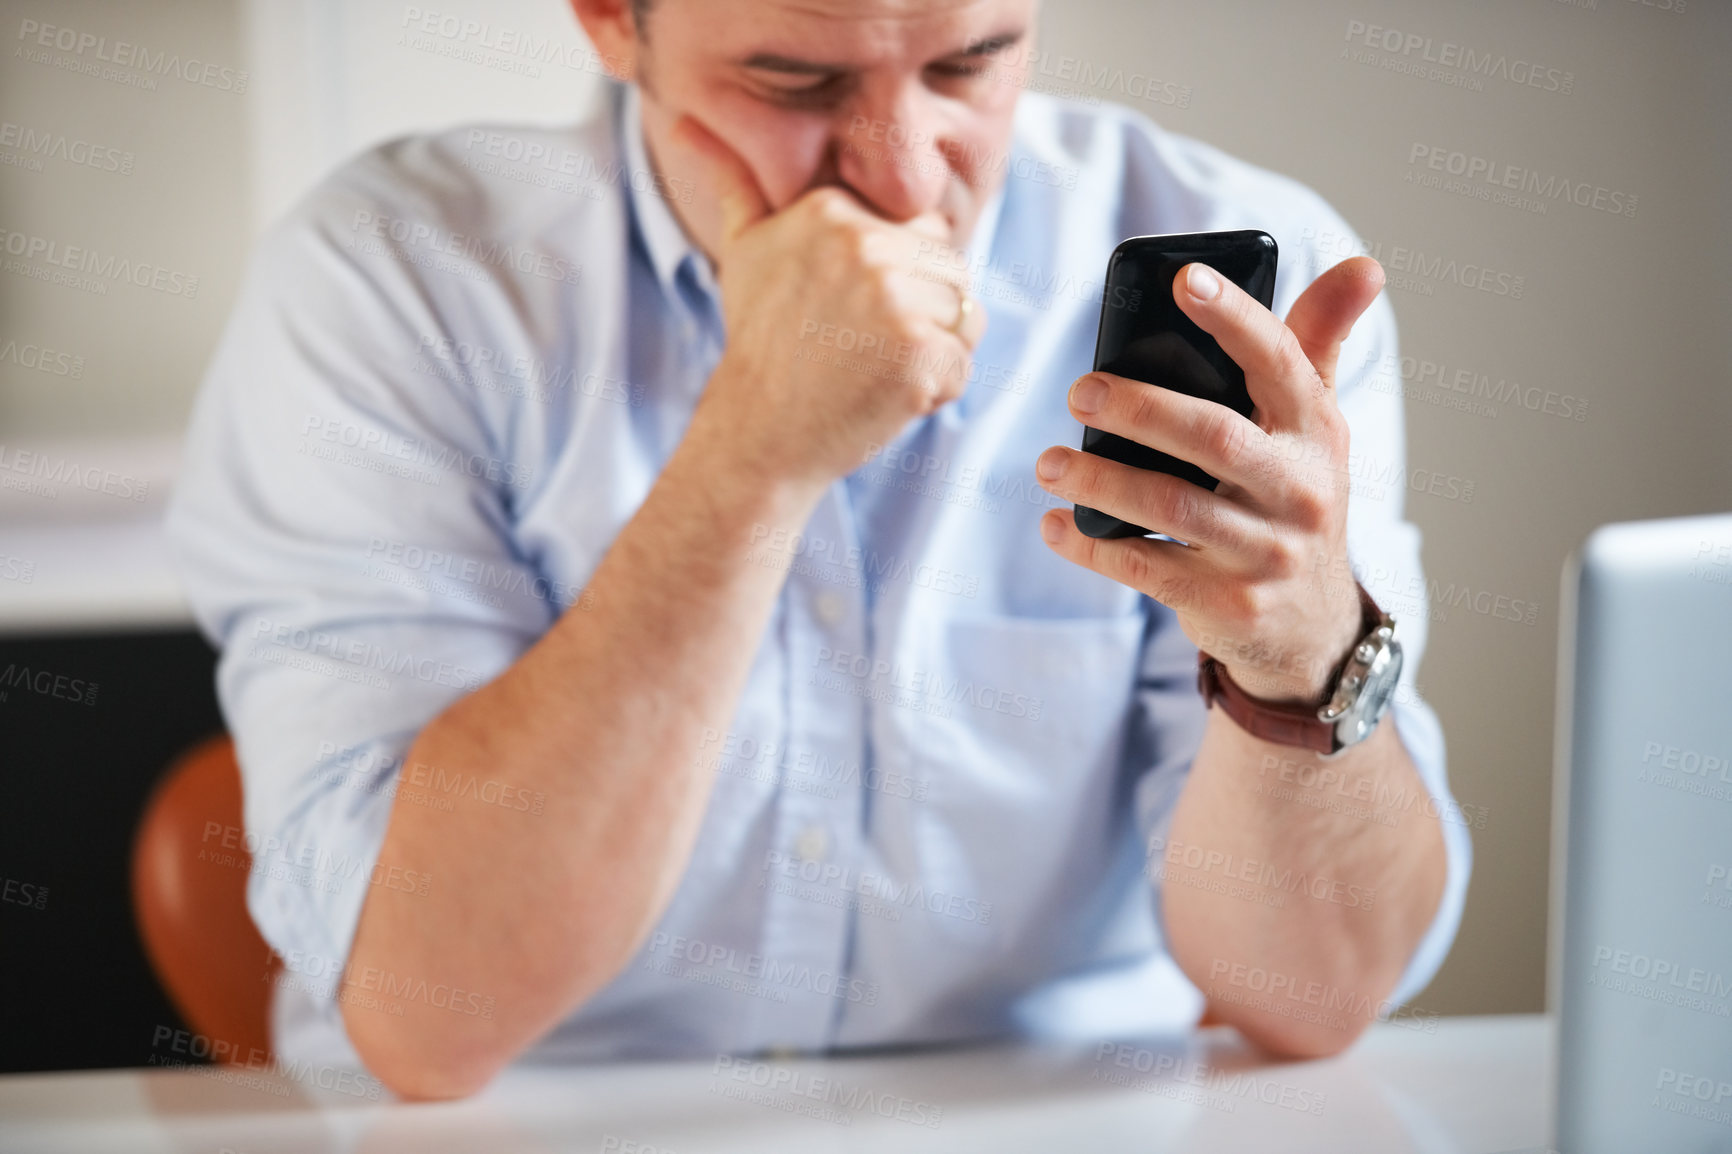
<point>604,717</point>
<point>1263,585</point>
<point>1276,900</point>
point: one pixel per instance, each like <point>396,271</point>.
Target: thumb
<point>742,201</point>
<point>1324,313</point>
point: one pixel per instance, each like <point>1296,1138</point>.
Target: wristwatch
<point>1358,696</point>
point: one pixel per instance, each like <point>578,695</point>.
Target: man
<point>646,630</point>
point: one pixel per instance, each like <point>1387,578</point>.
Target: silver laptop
<point>1641,928</point>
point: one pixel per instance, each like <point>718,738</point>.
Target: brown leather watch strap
<point>1284,723</point>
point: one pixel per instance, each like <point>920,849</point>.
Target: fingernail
<point>1051,529</point>
<point>1202,283</point>
<point>1088,394</point>
<point>1052,463</point>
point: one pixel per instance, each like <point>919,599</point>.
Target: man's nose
<point>893,159</point>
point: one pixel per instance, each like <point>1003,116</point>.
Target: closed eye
<point>957,70</point>
<point>978,59</point>
<point>786,80</point>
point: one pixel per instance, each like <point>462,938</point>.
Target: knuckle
<point>835,249</point>
<point>1141,404</point>
<point>1290,361</point>
<point>1281,560</point>
<point>1173,503</point>
<point>1083,478</point>
<point>860,245</point>
<point>1134,569</point>
<point>929,374</point>
<point>1311,507</point>
<point>868,246</point>
<point>1245,603</point>
<point>881,280</point>
<point>828,204</point>
<point>914,340</point>
<point>1224,435</point>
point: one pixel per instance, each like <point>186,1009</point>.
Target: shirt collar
<point>664,238</point>
<point>985,233</point>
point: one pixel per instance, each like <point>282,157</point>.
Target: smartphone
<point>1145,337</point>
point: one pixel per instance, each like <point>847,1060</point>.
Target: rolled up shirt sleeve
<point>342,527</point>
<point>1384,551</point>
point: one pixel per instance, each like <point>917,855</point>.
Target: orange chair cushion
<point>189,881</point>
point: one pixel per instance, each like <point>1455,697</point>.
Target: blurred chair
<point>189,880</point>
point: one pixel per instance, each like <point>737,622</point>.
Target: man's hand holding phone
<point>837,334</point>
<point>1246,587</point>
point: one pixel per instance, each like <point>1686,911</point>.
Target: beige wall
<point>167,190</point>
<point>1625,313</point>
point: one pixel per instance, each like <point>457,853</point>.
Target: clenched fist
<point>838,334</point>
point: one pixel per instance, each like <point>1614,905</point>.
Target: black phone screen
<point>1145,337</point>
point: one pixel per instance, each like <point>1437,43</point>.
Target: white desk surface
<point>1469,1085</point>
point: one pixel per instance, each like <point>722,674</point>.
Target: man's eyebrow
<point>774,62</point>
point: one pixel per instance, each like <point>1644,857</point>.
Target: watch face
<point>1379,687</point>
<point>1373,700</point>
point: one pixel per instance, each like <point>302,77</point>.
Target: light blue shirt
<point>453,374</point>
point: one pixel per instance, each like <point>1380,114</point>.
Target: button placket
<point>807,915</point>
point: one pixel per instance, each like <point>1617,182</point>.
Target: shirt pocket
<point>1039,697</point>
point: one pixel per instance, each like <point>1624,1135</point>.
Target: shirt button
<point>813,844</point>
<point>830,607</point>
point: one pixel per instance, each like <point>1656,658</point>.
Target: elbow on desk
<point>428,1053</point>
<point>419,1065</point>
<point>1294,1041</point>
<point>449,1041</point>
